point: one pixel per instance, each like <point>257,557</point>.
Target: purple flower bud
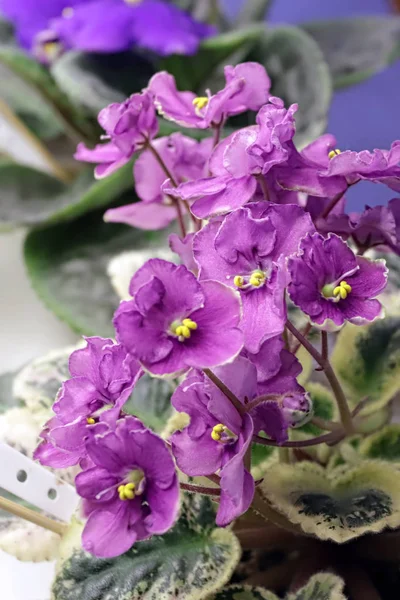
<point>297,408</point>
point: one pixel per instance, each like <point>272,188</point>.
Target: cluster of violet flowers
<point>260,222</point>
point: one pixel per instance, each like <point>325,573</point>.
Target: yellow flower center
<point>90,421</point>
<point>51,50</point>
<point>334,153</point>
<point>200,102</point>
<point>127,491</point>
<point>336,292</point>
<point>134,487</point>
<point>342,290</point>
<point>183,330</point>
<point>256,279</point>
<point>221,433</point>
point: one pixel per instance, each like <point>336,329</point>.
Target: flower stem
<point>225,390</point>
<point>200,489</point>
<point>326,366</point>
<point>328,438</point>
<point>331,205</point>
<point>217,127</point>
<point>32,516</point>
<point>324,424</point>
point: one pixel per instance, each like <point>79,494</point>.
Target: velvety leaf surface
<point>30,197</point>
<point>300,75</point>
<point>190,562</point>
<point>67,265</point>
<point>339,506</point>
<point>383,445</point>
<point>367,362</point>
<point>357,48</point>
<point>151,402</point>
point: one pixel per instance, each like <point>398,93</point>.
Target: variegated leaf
<point>383,445</point>
<point>323,586</point>
<point>190,562</point>
<point>28,542</point>
<point>336,505</point>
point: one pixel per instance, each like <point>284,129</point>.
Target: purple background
<point>364,116</point>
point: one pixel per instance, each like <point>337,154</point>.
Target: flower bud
<point>297,408</point>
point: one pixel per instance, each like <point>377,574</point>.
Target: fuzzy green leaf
<point>191,72</point>
<point>32,93</point>
<point>31,197</point>
<point>335,506</point>
<point>96,80</point>
<point>300,75</point>
<point>367,362</point>
<point>383,445</point>
<point>71,278</point>
<point>190,562</point>
<point>357,48</point>
<point>151,402</point>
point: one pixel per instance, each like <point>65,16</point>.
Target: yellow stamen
<point>334,153</point>
<point>215,436</point>
<point>238,281</point>
<point>200,102</point>
<point>183,331</point>
<point>257,278</point>
<point>190,324</point>
<point>342,290</point>
<point>127,491</point>
<point>90,421</point>
<point>51,49</point>
<point>222,430</point>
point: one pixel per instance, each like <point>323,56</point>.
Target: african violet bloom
<point>47,453</point>
<point>247,88</point>
<point>277,372</point>
<point>131,492</point>
<point>332,285</point>
<point>240,160</point>
<point>185,159</point>
<point>218,437</point>
<point>129,126</point>
<point>105,26</point>
<point>174,322</point>
<point>103,376</point>
<point>247,251</point>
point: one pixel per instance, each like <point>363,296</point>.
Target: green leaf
<point>71,278</point>
<point>374,421</point>
<point>190,562</point>
<point>324,407</point>
<point>323,586</point>
<point>95,80</point>
<point>32,93</point>
<point>151,402</point>
<point>6,33</point>
<point>30,197</point>
<point>391,298</point>
<point>383,445</point>
<point>300,75</point>
<point>357,48</point>
<point>359,500</point>
<point>243,592</point>
<point>193,71</point>
<point>367,362</point>
<point>346,453</point>
<point>253,11</point>
<point>26,541</point>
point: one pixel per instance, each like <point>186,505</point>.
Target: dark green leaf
<point>253,11</point>
<point>67,265</point>
<point>191,72</point>
<point>356,48</point>
<point>95,80</point>
<point>300,75</point>
<point>190,562</point>
<point>6,33</point>
<point>31,92</point>
<point>367,362</point>
<point>151,402</point>
<point>30,197</point>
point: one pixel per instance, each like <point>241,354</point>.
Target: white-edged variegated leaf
<point>28,542</point>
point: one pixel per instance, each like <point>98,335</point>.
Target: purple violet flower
<point>105,26</point>
<point>128,126</point>
<point>247,88</point>
<point>185,158</point>
<point>247,251</point>
<point>47,453</point>
<point>103,376</point>
<point>240,160</point>
<point>218,437</point>
<point>174,322</point>
<point>332,285</point>
<point>131,492</point>
<point>184,249</point>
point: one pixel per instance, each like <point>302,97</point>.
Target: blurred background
<point>363,116</point>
